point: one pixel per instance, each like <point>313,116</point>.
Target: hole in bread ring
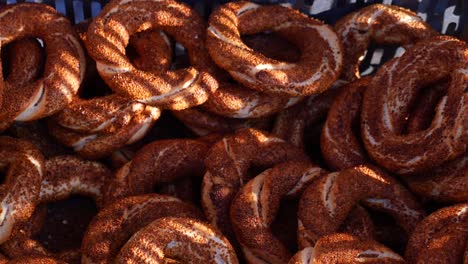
<point>64,176</point>
<point>326,203</point>
<point>235,100</point>
<point>383,24</point>
<point>125,217</point>
<point>228,163</point>
<point>256,205</point>
<point>393,90</point>
<point>109,34</point>
<point>64,65</point>
<point>19,194</point>
<point>96,127</point>
<point>321,53</point>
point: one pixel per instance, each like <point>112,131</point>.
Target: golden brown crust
<point>235,100</point>
<point>117,222</point>
<point>148,50</point>
<point>340,147</point>
<point>35,260</point>
<point>291,123</point>
<point>383,24</point>
<point>446,183</point>
<point>177,239</point>
<point>228,163</point>
<point>20,192</point>
<point>162,161</point>
<point>105,114</point>
<point>203,123</point>
<point>95,128</point>
<point>312,74</point>
<point>64,176</point>
<point>326,203</point>
<point>344,248</point>
<point>152,48</point>
<point>64,67</point>
<point>257,203</point>
<point>109,34</point>
<point>68,175</point>
<point>441,236</point>
<point>387,102</point>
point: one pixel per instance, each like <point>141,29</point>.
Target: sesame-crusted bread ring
<point>162,161</point>
<point>345,248</point>
<point>68,175</point>
<point>24,166</point>
<point>389,98</point>
<point>97,127</point>
<point>340,147</point>
<point>257,203</point>
<point>64,176</point>
<point>291,123</point>
<point>446,183</point>
<point>237,101</point>
<point>383,24</point>
<point>203,123</point>
<point>117,222</point>
<point>174,239</point>
<point>441,237</point>
<point>35,260</point>
<point>149,50</point>
<point>64,67</point>
<point>109,34</point>
<point>325,204</point>
<point>227,166</point>
<point>321,53</point>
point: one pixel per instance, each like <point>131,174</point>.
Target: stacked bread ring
<point>344,248</point>
<point>64,176</point>
<point>258,142</point>
<point>63,70</point>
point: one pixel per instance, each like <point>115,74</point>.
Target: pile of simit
<point>260,143</point>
